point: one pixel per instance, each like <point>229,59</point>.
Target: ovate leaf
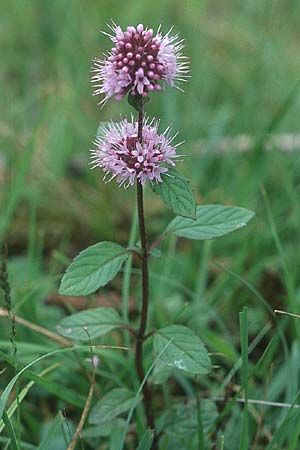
<point>116,402</point>
<point>92,268</point>
<point>161,372</point>
<point>103,429</point>
<point>176,193</point>
<point>181,419</point>
<point>89,324</point>
<point>185,350</point>
<point>211,221</point>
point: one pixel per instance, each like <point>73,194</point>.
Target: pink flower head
<point>120,154</point>
<point>138,62</point>
<point>95,360</point>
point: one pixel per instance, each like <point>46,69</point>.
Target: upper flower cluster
<point>122,156</point>
<point>138,62</point>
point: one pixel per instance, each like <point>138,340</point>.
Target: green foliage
<point>286,428</point>
<point>103,429</point>
<point>211,221</point>
<point>184,352</point>
<point>11,432</point>
<point>116,402</point>
<point>56,206</point>
<point>146,441</point>
<point>92,268</point>
<point>181,419</point>
<point>6,392</point>
<point>52,432</point>
<point>89,324</point>
<point>57,389</point>
<point>244,346</point>
<point>137,101</point>
<point>176,193</point>
<point>162,372</point>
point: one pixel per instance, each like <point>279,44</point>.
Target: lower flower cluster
<point>121,155</point>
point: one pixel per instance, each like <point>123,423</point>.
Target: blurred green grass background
<point>245,66</point>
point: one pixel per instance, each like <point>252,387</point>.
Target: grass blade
<point>263,302</point>
<point>244,348</point>
<point>277,118</point>
<point>201,438</point>
<point>61,391</point>
<point>294,439</point>
<point>57,423</point>
<point>287,273</point>
<point>139,392</point>
<point>9,387</point>
<point>146,441</point>
<point>282,431</point>
<point>23,394</point>
<point>11,432</point>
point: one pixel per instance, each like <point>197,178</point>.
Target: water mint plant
<point>136,153</point>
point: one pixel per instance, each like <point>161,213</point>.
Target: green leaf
<point>52,432</point>
<point>104,429</point>
<point>181,419</point>
<point>92,268</point>
<point>155,252</point>
<point>116,402</point>
<point>146,441</point>
<point>176,193</point>
<point>161,373</point>
<point>90,323</point>
<point>185,351</point>
<point>211,221</point>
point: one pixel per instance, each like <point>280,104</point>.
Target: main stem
<point>147,392</point>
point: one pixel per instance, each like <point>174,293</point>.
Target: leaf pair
<point>97,265</point>
<point>184,350</point>
<point>179,421</point>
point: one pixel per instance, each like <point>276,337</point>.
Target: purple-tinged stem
<point>147,391</point>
